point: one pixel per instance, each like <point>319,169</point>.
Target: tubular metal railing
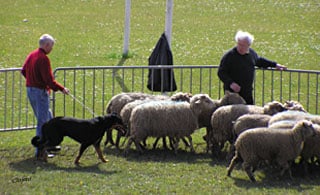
<point>93,86</point>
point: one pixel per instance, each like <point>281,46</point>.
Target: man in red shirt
<point>39,80</point>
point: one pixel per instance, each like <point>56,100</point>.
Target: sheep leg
<point>118,140</point>
<point>285,167</point>
<point>144,142</point>
<point>235,160</point>
<point>164,142</point>
<point>126,150</point>
<point>186,143</point>
<point>176,145</point>
<point>231,153</point>
<point>156,143</point>
<point>190,143</point>
<point>247,167</point>
<point>208,138</point>
<point>171,142</point>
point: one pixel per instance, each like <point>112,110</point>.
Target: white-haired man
<point>237,66</point>
<point>39,80</point>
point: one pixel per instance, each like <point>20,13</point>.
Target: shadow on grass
<point>160,155</point>
<point>30,165</point>
<point>269,177</point>
<point>118,78</point>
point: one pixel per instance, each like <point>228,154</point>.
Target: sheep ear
<point>307,123</point>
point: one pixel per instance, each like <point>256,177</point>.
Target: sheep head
<point>180,96</point>
<point>231,98</point>
<point>273,107</point>
<point>306,129</point>
<point>294,105</point>
<point>201,103</point>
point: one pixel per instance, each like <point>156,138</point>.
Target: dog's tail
<point>36,141</point>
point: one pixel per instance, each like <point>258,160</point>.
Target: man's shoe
<point>54,149</point>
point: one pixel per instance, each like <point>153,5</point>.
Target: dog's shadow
<point>30,165</point>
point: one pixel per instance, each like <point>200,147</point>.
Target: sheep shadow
<point>31,165</point>
<point>274,183</point>
<point>159,155</point>
<point>221,159</point>
<point>269,177</point>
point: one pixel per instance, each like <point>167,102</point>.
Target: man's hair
<point>45,38</point>
<point>241,35</point>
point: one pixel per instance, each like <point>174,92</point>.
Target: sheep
<point>127,110</point>
<point>203,107</point>
<point>249,121</point>
<point>287,120</point>
<point>292,115</point>
<point>222,121</point>
<point>265,144</point>
<point>160,119</point>
<point>311,149</point>
<point>294,105</point>
<point>125,114</point>
<point>118,101</point>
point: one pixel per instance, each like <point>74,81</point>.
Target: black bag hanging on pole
<point>161,79</point>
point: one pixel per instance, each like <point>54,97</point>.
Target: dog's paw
<point>104,160</point>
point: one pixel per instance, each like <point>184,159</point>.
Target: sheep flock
<point>275,135</point>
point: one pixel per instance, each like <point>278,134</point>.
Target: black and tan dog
<point>85,131</point>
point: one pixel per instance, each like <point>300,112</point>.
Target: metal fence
<point>92,87</point>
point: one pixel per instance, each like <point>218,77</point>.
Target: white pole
<point>169,13</point>
<point>127,28</point>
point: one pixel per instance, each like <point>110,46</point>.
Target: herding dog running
<point>85,131</point>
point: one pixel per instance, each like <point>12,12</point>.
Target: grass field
<point>90,32</point>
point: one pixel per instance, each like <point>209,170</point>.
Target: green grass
<point>90,32</point>
<point>155,172</point>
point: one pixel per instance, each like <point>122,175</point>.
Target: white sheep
<point>287,120</point>
<point>117,103</point>
<point>203,107</point>
<point>249,121</point>
<point>161,119</point>
<point>311,149</point>
<point>294,105</point>
<point>274,145</point>
<point>292,116</point>
<point>126,113</point>
<point>223,118</point>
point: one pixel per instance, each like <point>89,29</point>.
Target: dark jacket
<point>161,79</point>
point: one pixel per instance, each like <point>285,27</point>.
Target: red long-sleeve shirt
<point>38,73</point>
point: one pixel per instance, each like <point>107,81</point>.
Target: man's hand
<point>281,67</point>
<point>65,91</point>
<point>235,87</point>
